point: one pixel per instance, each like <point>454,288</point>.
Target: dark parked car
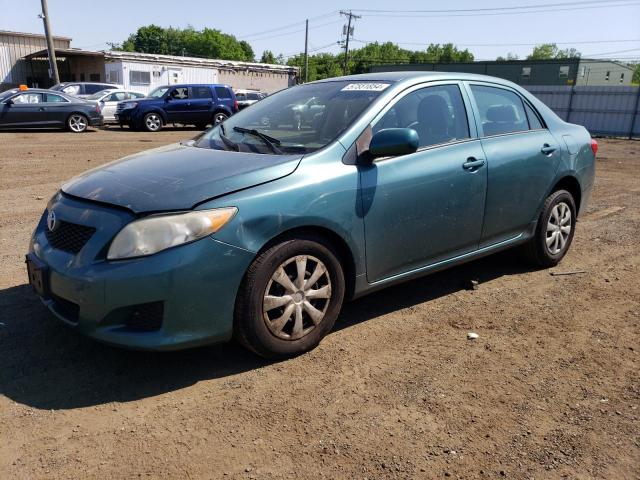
<point>261,230</point>
<point>38,108</point>
<point>83,89</point>
<point>198,105</point>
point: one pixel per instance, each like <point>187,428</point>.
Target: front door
<point>522,158</point>
<point>178,104</point>
<point>24,110</point>
<point>428,206</point>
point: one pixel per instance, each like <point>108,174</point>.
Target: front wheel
<point>77,123</point>
<point>290,298</point>
<point>152,122</point>
<point>554,231</point>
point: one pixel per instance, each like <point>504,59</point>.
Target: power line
<point>285,27</point>
<point>581,42</point>
<point>295,31</point>
<point>482,14</point>
<point>469,10</point>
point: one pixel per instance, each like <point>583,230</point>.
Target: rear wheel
<point>152,122</point>
<point>290,298</point>
<point>219,117</point>
<point>554,231</point>
<point>77,123</point>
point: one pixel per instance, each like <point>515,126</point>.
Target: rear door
<point>522,158</point>
<point>201,104</point>
<point>225,97</point>
<point>26,110</point>
<point>427,206</point>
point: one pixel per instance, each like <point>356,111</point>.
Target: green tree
<point>549,51</point>
<point>208,43</point>
<point>636,74</point>
<point>268,57</point>
<point>510,56</point>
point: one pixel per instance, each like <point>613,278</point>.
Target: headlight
<point>128,105</point>
<point>159,232</point>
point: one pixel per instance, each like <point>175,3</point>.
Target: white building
<point>143,72</point>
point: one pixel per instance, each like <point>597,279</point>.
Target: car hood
<point>177,177</point>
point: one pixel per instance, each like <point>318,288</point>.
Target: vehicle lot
<point>550,388</point>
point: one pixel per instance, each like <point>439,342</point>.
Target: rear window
<point>201,92</point>
<point>223,92</point>
<point>501,111</point>
<point>53,98</point>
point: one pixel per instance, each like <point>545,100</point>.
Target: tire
<point>219,117</point>
<point>152,122</point>
<point>290,327</point>
<point>551,240</point>
<point>77,123</point>
<point>201,126</point>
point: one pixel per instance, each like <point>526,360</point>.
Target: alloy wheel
<point>297,297</point>
<point>153,122</point>
<point>77,123</point>
<point>219,118</point>
<point>558,228</point>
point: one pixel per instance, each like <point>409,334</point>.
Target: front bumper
<point>195,284</point>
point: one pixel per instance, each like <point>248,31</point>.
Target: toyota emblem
<point>52,221</point>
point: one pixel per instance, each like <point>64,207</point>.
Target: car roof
<point>416,77</point>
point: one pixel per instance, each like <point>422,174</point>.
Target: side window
<point>534,119</point>
<point>53,98</point>
<point>26,98</point>
<point>222,92</point>
<point>180,93</point>
<point>116,97</point>
<point>436,113</point>
<point>201,92</point>
<point>91,88</point>
<point>501,111</point>
<point>71,89</point>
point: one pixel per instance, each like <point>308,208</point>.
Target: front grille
<point>146,317</point>
<point>66,308</point>
<point>69,237</point>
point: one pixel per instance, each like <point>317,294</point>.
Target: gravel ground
<point>550,389</point>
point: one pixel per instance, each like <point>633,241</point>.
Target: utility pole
<point>306,51</point>
<point>53,64</point>
<point>349,33</point>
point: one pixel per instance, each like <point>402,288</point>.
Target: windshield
<point>99,95</point>
<point>158,92</point>
<point>8,93</point>
<point>300,119</point>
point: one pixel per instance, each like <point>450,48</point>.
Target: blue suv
<point>199,105</point>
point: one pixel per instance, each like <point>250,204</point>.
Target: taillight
<point>98,108</point>
<point>594,146</point>
<point>235,105</point>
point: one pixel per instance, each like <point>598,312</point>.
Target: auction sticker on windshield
<point>365,87</point>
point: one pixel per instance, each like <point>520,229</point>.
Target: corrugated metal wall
<point>602,110</point>
<point>14,70</point>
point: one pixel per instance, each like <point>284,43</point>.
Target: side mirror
<point>392,142</point>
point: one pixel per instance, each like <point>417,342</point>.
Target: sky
<point>607,28</point>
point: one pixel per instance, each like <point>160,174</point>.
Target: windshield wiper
<point>270,141</point>
<point>231,145</point>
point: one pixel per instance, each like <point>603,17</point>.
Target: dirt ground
<point>551,389</point>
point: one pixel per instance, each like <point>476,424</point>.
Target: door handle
<point>548,149</point>
<point>473,164</point>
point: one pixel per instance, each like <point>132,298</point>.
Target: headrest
<point>502,113</point>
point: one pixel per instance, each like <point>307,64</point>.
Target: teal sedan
<point>262,227</point>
